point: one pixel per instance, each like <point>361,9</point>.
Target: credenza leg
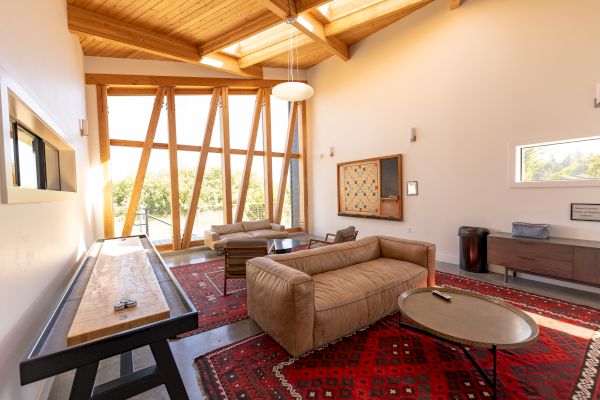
<point>168,370</point>
<point>505,274</point>
<point>83,383</point>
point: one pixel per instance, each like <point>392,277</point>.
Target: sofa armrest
<point>281,301</point>
<point>210,237</point>
<point>420,253</point>
<point>277,227</point>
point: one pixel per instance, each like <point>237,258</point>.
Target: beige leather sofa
<point>312,297</point>
<point>218,235</point>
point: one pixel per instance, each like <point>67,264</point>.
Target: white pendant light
<point>292,90</point>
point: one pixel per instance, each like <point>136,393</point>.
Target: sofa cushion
<point>332,257</point>
<point>268,234</point>
<point>256,225</point>
<point>228,228</point>
<point>219,244</point>
<point>358,295</point>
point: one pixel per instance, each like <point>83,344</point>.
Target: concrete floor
<point>188,349</point>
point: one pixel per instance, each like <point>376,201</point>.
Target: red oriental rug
<point>383,362</point>
<point>203,283</point>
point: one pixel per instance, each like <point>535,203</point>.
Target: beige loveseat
<point>312,297</point>
<point>218,235</point>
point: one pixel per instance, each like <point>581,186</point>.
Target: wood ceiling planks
<point>209,26</point>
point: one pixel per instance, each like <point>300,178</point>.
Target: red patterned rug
<point>203,283</point>
<point>382,362</point>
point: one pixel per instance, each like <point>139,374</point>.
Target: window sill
<point>16,195</point>
<point>555,184</point>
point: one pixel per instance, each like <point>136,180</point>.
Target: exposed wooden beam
<point>222,62</point>
<point>454,4</point>
<point>303,146</point>
<point>314,29</point>
<point>241,204</point>
<point>143,166</point>
<point>90,23</point>
<point>268,155</point>
<point>281,8</point>
<point>178,81</point>
<point>272,51</point>
<point>306,5</point>
<point>188,147</point>
<point>104,146</point>
<point>210,122</point>
<point>121,91</point>
<point>286,162</point>
<point>308,25</point>
<point>226,157</point>
<point>240,33</point>
<point>373,13</point>
<point>174,170</point>
<point>98,25</point>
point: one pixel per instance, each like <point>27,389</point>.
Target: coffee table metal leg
<point>490,381</point>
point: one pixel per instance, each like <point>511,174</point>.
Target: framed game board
<point>371,188</point>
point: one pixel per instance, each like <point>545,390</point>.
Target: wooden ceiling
<point>236,36</point>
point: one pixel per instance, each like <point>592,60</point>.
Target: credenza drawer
<point>532,256</point>
<point>586,265</point>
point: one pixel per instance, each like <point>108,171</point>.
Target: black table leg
<point>126,363</point>
<point>83,383</point>
<point>168,370</point>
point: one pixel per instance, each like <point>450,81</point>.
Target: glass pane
<point>154,211</point>
<point>210,205</point>
<point>27,160</point>
<point>241,111</point>
<point>279,123</point>
<point>191,116</point>
<point>255,198</point>
<point>124,162</point>
<point>237,168</point>
<point>128,116</point>
<point>574,160</point>
<point>52,168</point>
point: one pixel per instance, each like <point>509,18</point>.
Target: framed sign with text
<point>585,212</point>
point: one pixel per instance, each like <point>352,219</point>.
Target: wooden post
<point>174,170</point>
<point>286,162</point>
<point>268,157</point>
<point>303,146</point>
<point>226,157</point>
<point>239,215</point>
<point>104,145</point>
<point>141,172</point>
<point>210,122</point>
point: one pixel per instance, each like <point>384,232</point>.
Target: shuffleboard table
<point>85,329</point>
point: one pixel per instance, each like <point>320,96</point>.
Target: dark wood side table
<point>558,258</point>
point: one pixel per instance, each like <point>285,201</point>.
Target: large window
<point>560,161</point>
<point>128,122</point>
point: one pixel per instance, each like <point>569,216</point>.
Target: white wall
<point>40,243</point>
<point>106,65</point>
<point>471,81</point>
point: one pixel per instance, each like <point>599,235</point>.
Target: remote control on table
<point>442,295</point>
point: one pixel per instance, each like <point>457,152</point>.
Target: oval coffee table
<point>469,319</point>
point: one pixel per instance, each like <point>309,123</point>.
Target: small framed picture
<point>412,188</point>
<point>585,212</point>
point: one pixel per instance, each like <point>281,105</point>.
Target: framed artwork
<point>412,188</point>
<point>371,188</point>
<point>585,212</point>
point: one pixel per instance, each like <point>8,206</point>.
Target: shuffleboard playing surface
<point>122,271</point>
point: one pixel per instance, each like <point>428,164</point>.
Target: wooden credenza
<point>559,258</point>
